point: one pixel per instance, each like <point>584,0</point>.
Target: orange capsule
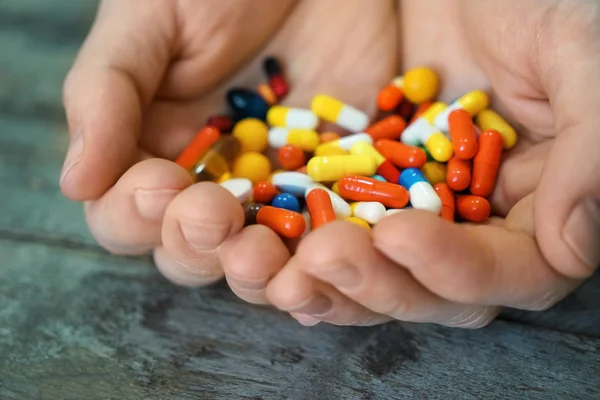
<point>388,128</point>
<point>447,197</point>
<point>458,174</point>
<point>267,93</point>
<point>389,97</point>
<point>291,157</point>
<point>473,208</point>
<point>320,208</point>
<point>360,188</point>
<point>196,149</point>
<point>462,133</point>
<point>288,224</point>
<point>328,137</point>
<point>486,163</point>
<point>400,154</point>
<point>420,110</point>
<point>264,192</point>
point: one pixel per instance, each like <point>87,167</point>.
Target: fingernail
<point>202,237</point>
<point>342,275</point>
<point>582,232</point>
<point>248,285</point>
<point>318,304</point>
<point>152,203</point>
<point>73,155</point>
<point>304,319</point>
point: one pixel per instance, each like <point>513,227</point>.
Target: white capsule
<point>290,117</point>
<point>424,197</point>
<point>241,188</point>
<point>306,139</point>
<point>393,211</point>
<point>294,183</point>
<point>370,211</point>
<point>344,115</point>
<point>340,206</point>
<point>412,134</point>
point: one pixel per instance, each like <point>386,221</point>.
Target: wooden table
<point>78,323</point>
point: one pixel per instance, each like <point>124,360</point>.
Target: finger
<point>308,299</point>
<point>127,219</point>
<point>250,259</point>
<point>112,81</point>
<point>196,223</point>
<point>343,255</point>
<point>474,264</point>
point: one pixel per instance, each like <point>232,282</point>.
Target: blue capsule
<point>247,104</point>
<point>410,176</point>
<point>422,194</point>
<point>287,202</point>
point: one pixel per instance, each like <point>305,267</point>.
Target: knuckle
<point>400,309</point>
<point>473,319</point>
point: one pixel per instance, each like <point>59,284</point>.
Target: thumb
<point>113,79</point>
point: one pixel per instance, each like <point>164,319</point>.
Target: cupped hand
<point>144,83</point>
<point>541,61</point>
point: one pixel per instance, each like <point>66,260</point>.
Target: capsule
<point>422,195</point>
<point>420,110</point>
<point>291,157</point>
<point>288,224</point>
<point>447,198</point>
<point>488,119</point>
<point>295,183</point>
<point>458,174</point>
<point>326,137</point>
<point>222,122</point>
<point>434,171</point>
<point>247,104</point>
<point>369,211</point>
<point>473,208</point>
<point>320,207</point>
<point>264,192</point>
<point>218,160</point>
<point>405,109</point>
<point>385,167</point>
<point>438,145</point>
<point>344,143</point>
<point>289,117</point>
<point>277,80</point>
<point>414,132</point>
<point>306,139</point>
<point>287,202</point>
<point>359,222</point>
<point>360,188</point>
<point>389,97</point>
<point>334,111</point>
<point>388,128</point>
<point>252,134</point>
<point>472,102</point>
<point>486,163</point>
<point>266,92</point>
<point>419,84</point>
<point>462,133</point>
<point>340,206</point>
<point>204,139</point>
<point>333,168</point>
<point>400,154</point>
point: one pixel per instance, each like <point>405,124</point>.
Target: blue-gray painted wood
<point>77,323</point>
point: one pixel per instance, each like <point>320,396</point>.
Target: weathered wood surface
<point>76,323</point>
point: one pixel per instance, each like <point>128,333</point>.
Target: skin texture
<point>150,73</point>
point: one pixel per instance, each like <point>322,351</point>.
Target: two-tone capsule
<point>422,194</point>
<point>333,168</point>
<point>306,139</point>
<point>290,117</point>
<point>472,102</point>
<point>332,110</point>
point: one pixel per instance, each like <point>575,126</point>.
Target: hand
<point>144,83</point>
<point>541,59</point>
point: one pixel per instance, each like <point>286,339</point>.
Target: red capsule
<point>458,174</point>
<point>447,197</point>
<point>360,188</point>
<point>288,224</point>
<point>462,133</point>
<point>194,151</point>
<point>279,86</point>
<point>486,163</point>
<point>388,171</point>
<point>222,122</point>
<point>405,109</point>
<point>473,208</point>
<point>388,128</point>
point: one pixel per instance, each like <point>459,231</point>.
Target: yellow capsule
<point>252,134</point>
<point>306,139</point>
<point>330,151</point>
<point>334,111</point>
<point>489,119</point>
<point>439,146</point>
<point>432,112</point>
<point>225,177</point>
<point>359,222</point>
<point>252,165</point>
<point>290,117</point>
<point>335,188</point>
<point>419,84</point>
<point>334,168</point>
<point>344,143</point>
<point>367,149</point>
<point>434,172</point>
<point>218,160</point>
<point>472,102</point>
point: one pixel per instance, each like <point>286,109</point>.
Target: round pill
<point>264,191</point>
<point>287,202</point>
<point>241,188</point>
<point>420,85</point>
<point>252,134</point>
<point>291,157</point>
<point>252,165</point>
<point>295,183</point>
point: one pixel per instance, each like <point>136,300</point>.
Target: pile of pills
<point>417,153</point>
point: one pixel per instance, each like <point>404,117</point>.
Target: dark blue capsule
<point>287,202</point>
<point>246,103</point>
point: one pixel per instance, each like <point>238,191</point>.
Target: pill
<point>266,92</point>
<point>473,208</point>
<point>400,154</point>
<point>390,127</point>
<point>320,207</point>
<point>359,222</point>
<point>286,201</point>
<point>218,160</point>
<point>203,140</point>
<point>419,84</point>
<point>334,111</point>
<point>434,172</point>
<point>422,195</point>
<point>370,211</point>
<point>288,224</point>
<point>384,167</point>
<point>472,102</point>
<point>252,165</point>
<point>344,143</point>
<point>420,110</point>
<point>225,177</point>
<point>306,139</point>
<point>362,188</point>
<point>393,211</point>
<point>302,169</point>
<point>438,145</point>
<point>241,188</point>
<point>250,211</point>
<point>333,168</point>
<point>489,119</point>
<point>413,133</point>
<point>295,183</point>
<point>247,104</point>
<point>405,109</point>
<point>328,137</point>
<point>462,133</point>
<point>340,206</point>
<point>222,122</point>
<point>277,80</point>
<point>447,197</point>
<point>264,192</point>
<point>252,134</point>
<point>381,178</point>
<point>291,157</point>
<point>458,174</point>
<point>486,163</point>
<point>389,97</point>
<point>290,117</point>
